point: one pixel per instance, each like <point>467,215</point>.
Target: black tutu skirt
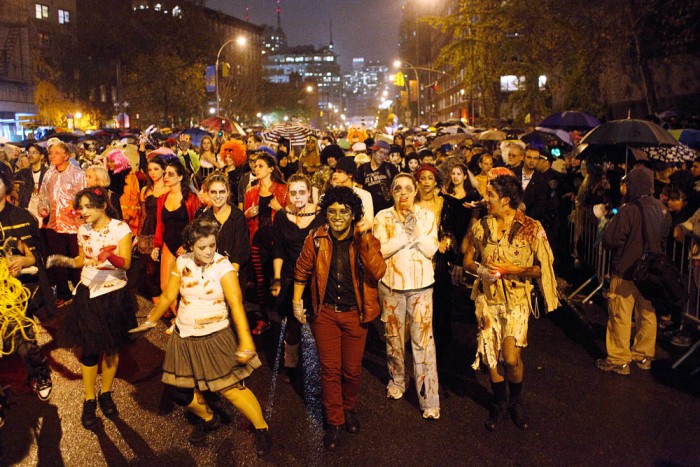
<point>206,363</point>
<point>100,324</point>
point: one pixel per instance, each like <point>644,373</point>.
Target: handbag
<point>655,275</point>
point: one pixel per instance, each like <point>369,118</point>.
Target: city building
<point>367,89</point>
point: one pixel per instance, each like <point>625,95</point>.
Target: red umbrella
<point>219,123</point>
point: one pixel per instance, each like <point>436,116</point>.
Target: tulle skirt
<point>100,324</point>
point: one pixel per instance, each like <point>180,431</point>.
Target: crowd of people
<point>330,234</point>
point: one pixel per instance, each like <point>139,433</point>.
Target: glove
<point>410,224</point>
<point>457,274</point>
<point>299,311</point>
<point>486,275</point>
<point>145,326</point>
<point>59,261</point>
<point>155,253</point>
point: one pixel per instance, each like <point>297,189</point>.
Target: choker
<point>305,214</point>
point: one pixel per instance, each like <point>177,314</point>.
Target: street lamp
<point>241,41</point>
<point>398,65</point>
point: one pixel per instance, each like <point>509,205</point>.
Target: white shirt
<point>202,309</point>
<point>101,278</point>
<point>409,264</point>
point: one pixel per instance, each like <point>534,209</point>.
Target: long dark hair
<point>156,160</point>
<point>276,175</point>
<point>185,182</point>
<point>99,197</point>
<point>450,187</point>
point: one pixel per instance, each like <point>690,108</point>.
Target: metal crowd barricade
<point>591,253</point>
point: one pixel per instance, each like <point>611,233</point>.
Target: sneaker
<point>107,405</point>
<point>665,322</point>
<point>89,418</point>
<point>644,363</point>
<point>202,429</point>
<point>497,416</point>
<point>42,386</point>
<point>681,339</point>
<point>263,441</point>
<point>604,365</point>
<point>431,414</point>
<point>261,327</point>
<point>394,393</point>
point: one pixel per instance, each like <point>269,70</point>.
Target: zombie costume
<point>406,293</point>
<point>503,306</point>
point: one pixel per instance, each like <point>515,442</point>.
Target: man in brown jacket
<point>344,263</point>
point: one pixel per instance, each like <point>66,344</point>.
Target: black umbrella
<point>570,121</point>
<point>630,132</point>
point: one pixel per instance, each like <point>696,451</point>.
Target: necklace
<point>300,214</point>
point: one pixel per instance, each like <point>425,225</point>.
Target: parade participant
<point>344,175</point>
<point>233,156</point>
<point>124,183</point>
<point>376,175</point>
<point>154,189</point>
<point>19,288</point>
<point>174,210</point>
<point>428,180</point>
<point>485,165</point>
<point>289,232</point>
<point>506,250</point>
<point>310,157</point>
<point>330,155</point>
<point>207,157</point>
<point>188,156</point>
<point>232,239</point>
<point>96,175</point>
<point>31,178</point>
<point>343,262</point>
<point>203,354</point>
<point>61,183</point>
<point>103,310</point>
<point>262,202</point>
<point>409,237</point>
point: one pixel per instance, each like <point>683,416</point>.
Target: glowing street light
<point>241,41</point>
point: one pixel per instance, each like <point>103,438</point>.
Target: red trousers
<point>340,340</point>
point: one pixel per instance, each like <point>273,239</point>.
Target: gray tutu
<point>207,363</point>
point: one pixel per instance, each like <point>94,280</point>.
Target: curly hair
<point>198,229</point>
<point>237,152</point>
<point>345,196</point>
<point>508,186</point>
<point>98,197</point>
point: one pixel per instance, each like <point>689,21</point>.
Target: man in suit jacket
<point>535,189</point>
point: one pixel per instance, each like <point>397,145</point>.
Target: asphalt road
<point>579,415</point>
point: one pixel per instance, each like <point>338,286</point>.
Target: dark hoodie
<point>623,234</point>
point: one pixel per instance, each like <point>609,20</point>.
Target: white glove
<point>486,275</point>
<point>155,253</point>
<point>59,261</point>
<point>299,311</point>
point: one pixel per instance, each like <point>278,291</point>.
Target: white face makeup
<point>218,194</point>
<point>298,194</point>
<point>203,250</point>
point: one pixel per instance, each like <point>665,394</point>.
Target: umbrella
<point>450,139</point>
<point>220,123</point>
<point>570,121</point>
<point>65,137</point>
<point>492,135</point>
<point>629,132</point>
<point>671,155</point>
<point>451,130</point>
<point>599,153</point>
<point>196,134</point>
<point>294,132</point>
<point>547,137</point>
<point>688,137</point>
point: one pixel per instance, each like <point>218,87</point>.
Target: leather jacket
<point>314,263</point>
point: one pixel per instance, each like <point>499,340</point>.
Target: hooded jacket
<point>623,235</point>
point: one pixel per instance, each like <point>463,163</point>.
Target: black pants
<point>62,244</point>
<point>30,353</point>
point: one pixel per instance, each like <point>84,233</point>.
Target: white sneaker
<point>394,393</point>
<point>431,414</point>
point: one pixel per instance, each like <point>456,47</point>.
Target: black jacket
<point>535,196</point>
<point>26,184</point>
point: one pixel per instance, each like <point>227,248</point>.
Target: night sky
<point>369,29</point>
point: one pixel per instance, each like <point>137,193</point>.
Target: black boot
<point>499,407</point>
<point>516,406</point>
<point>352,424</point>
<point>89,418</point>
<point>331,440</point>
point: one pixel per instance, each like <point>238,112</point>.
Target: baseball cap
<point>381,144</point>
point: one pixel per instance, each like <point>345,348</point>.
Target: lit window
<point>177,11</point>
<point>42,11</point>
<point>63,17</point>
